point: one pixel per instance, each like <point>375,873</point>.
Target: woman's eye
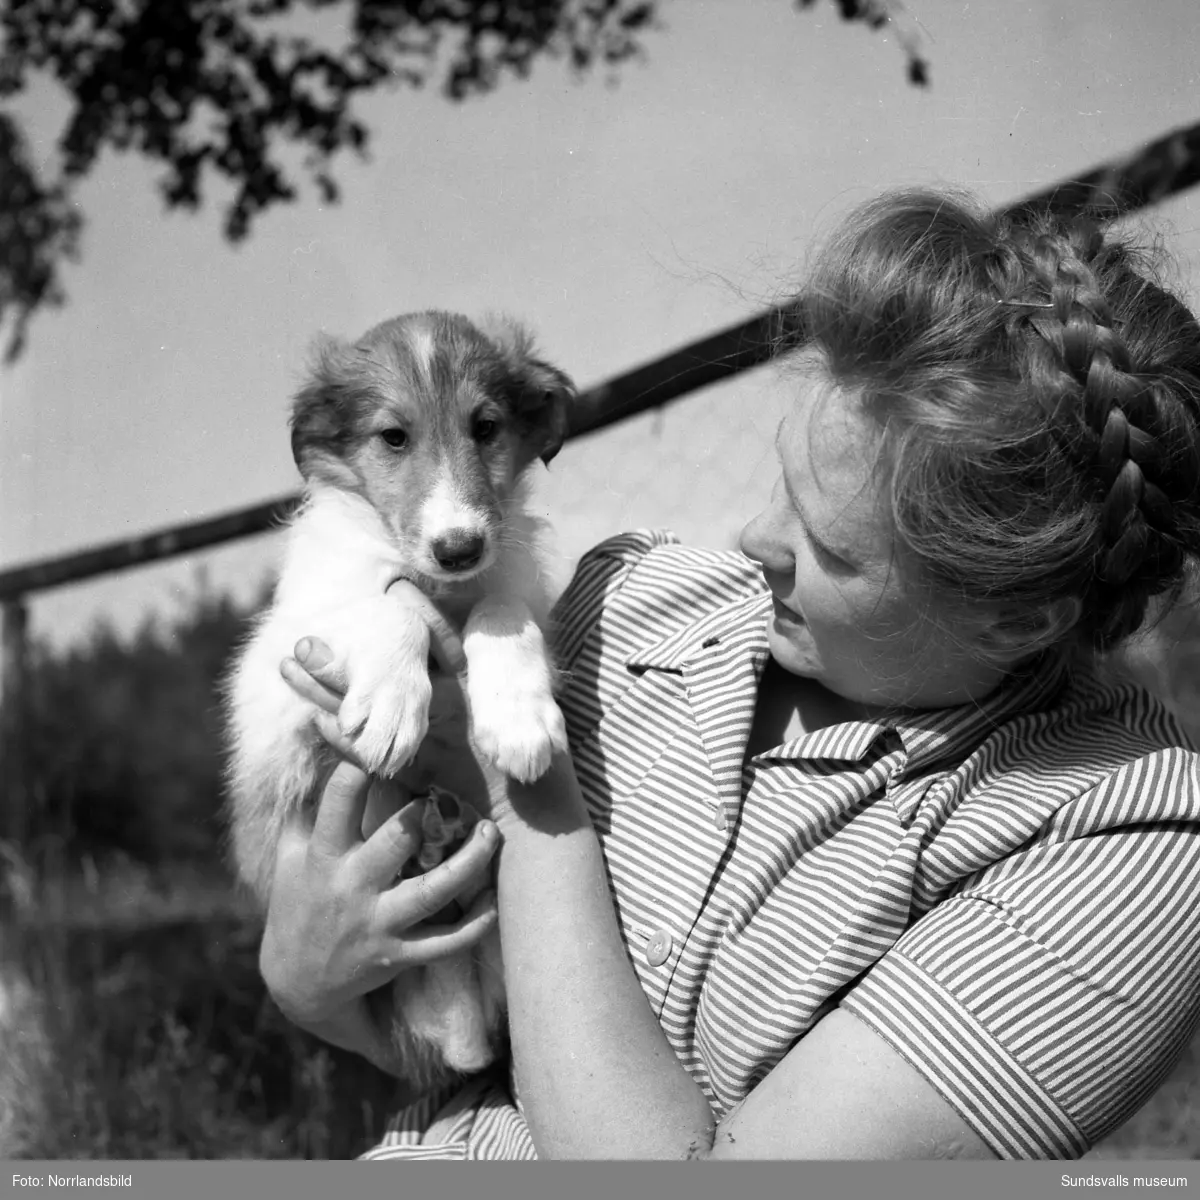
<point>396,438</point>
<point>830,561</point>
<point>486,429</point>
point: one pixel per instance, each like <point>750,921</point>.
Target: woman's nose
<point>760,542</point>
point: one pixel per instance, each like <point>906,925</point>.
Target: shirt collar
<point>741,624</point>
<point>941,735</point>
<point>928,737</point>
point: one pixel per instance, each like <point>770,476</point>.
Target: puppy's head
<point>433,420</point>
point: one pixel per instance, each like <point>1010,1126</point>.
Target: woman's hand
<point>339,926</point>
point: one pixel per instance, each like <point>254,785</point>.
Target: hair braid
<point>1040,396</point>
<point>1114,418</point>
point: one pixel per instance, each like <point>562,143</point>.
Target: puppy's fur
<point>413,444</point>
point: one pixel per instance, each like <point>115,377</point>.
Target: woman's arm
<point>596,1074</point>
<point>598,1078</point>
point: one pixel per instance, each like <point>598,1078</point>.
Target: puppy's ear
<point>544,393</point>
<point>322,413</point>
<point>545,407</point>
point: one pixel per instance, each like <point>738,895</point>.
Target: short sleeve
<point>601,573</point>
<point>1048,999</point>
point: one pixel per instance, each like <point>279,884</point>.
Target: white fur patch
<point>421,343</point>
<point>444,512</point>
<point>510,687</point>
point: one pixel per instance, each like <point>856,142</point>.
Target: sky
<point>618,219</point>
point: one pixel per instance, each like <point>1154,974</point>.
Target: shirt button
<point>658,948</point>
<point>719,817</point>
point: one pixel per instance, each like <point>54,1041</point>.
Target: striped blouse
<point>1005,892</point>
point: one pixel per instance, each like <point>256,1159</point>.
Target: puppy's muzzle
<point>458,550</point>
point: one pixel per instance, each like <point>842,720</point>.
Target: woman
<point>854,855</point>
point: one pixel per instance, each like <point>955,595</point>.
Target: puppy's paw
<point>521,736</point>
<point>444,822</point>
<point>510,688</point>
<point>387,718</point>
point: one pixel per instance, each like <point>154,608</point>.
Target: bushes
<point>121,741</point>
<point>156,1039</point>
<point>133,1021</point>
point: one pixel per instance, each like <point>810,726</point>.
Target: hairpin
<point>1027,303</point>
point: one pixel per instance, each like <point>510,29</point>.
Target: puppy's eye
<point>485,429</point>
<point>396,438</point>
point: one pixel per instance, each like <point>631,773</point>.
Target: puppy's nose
<point>458,550</point>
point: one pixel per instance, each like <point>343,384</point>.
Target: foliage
<point>38,229</point>
<point>134,1023</point>
<point>121,741</point>
<point>232,88</point>
<point>881,14</point>
<point>157,1040</point>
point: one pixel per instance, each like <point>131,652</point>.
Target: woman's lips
<point>785,614</point>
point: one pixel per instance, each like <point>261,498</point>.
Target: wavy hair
<point>1039,394</point>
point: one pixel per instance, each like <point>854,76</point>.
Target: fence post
<point>14,695</point>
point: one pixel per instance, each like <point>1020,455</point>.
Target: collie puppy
<point>413,444</point>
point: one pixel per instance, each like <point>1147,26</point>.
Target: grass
<point>134,1025</point>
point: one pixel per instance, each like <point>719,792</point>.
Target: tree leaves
<point>38,229</point>
<point>260,94</point>
<point>884,14</point>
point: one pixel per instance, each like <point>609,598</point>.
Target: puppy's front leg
<point>510,688</point>
<point>383,648</point>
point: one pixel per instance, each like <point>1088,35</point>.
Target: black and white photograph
<point>600,580</point>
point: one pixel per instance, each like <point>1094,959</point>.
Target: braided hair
<point>1039,393</point>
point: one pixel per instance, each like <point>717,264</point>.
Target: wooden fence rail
<point>1155,171</point>
<point>649,386</point>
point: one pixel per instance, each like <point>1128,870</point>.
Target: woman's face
<point>844,614</point>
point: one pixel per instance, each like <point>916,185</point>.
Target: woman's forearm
<point>596,1074</point>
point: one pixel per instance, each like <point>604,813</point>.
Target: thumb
<point>316,658</point>
<point>338,827</point>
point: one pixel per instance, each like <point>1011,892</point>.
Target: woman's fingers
<point>437,941</point>
<point>444,641</point>
<point>415,900</point>
<point>308,687</point>
<point>313,675</point>
<point>383,855</point>
<point>338,825</point>
<point>316,658</point>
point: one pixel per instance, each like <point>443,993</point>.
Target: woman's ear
<point>1009,635</point>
